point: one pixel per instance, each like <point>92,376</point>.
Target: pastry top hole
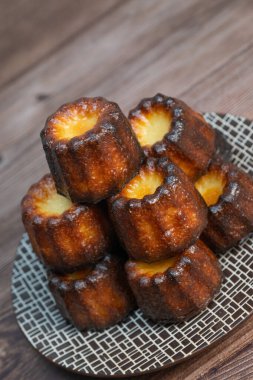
<point>54,204</point>
<point>145,183</point>
<point>73,122</point>
<point>48,202</point>
<point>211,186</point>
<point>78,275</point>
<point>151,125</point>
<point>156,267</point>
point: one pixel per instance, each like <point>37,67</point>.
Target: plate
<point>137,346</point>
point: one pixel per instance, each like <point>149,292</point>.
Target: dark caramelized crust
<point>97,297</point>
<point>64,235</point>
<point>158,213</point>
<point>178,133</point>
<point>230,216</point>
<point>179,289</point>
<point>91,149</point>
<point>223,148</point>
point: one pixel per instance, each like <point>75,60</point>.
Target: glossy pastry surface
<point>96,297</point>
<point>178,288</point>
<point>64,235</point>
<point>91,149</point>
<point>167,127</point>
<point>158,213</point>
<point>228,192</point>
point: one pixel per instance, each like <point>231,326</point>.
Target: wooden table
<point>55,51</point>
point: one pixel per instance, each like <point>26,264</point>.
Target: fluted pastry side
<point>178,288</point>
<point>158,213</point>
<point>97,297</point>
<point>91,149</point>
<point>167,127</point>
<point>228,192</point>
<point>64,235</point>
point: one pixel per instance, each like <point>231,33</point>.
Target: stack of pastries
<point>132,208</point>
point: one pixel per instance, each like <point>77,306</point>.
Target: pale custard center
<point>156,267</point>
<point>211,187</point>
<point>74,124</point>
<point>152,126</point>
<point>78,275</point>
<point>145,183</point>
<point>54,204</point>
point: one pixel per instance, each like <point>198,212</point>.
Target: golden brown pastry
<point>98,296</point>
<point>228,193</point>
<point>91,149</point>
<point>167,127</point>
<point>66,236</point>
<point>158,213</point>
<point>177,288</point>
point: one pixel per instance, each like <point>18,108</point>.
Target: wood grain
<point>55,51</point>
<point>232,368</point>
<point>34,30</point>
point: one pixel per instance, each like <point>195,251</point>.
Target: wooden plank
<point>122,60</point>
<point>30,30</point>
<point>237,367</point>
<point>228,89</point>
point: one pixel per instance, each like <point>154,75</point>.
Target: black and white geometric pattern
<point>137,345</point>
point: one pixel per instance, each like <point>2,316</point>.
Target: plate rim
<point>122,376</point>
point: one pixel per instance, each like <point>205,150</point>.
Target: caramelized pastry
<point>177,288</point>
<point>158,213</point>
<point>91,149</point>
<point>223,148</point>
<point>228,193</point>
<point>167,127</point>
<point>64,235</point>
<point>96,297</point>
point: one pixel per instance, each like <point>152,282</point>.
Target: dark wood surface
<point>55,51</point>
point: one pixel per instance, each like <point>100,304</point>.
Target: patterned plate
<point>138,346</point>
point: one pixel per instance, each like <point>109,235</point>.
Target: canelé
<point>177,288</point>
<point>228,193</point>
<point>91,149</point>
<point>159,212</point>
<point>167,127</point>
<point>95,297</point>
<point>64,235</point>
